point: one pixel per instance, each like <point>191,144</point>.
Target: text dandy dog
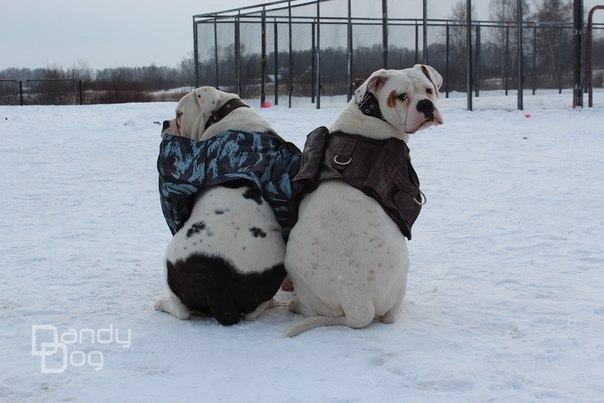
<point>59,349</point>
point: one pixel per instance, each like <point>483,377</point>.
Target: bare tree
<point>549,38</point>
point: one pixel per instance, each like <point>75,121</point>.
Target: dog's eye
<point>429,91</point>
<point>402,97</point>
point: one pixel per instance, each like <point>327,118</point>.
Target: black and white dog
<point>227,259</point>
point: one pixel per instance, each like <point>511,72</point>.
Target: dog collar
<point>371,107</point>
<point>224,110</point>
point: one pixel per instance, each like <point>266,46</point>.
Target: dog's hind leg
<point>173,306</point>
<point>224,309</point>
<point>392,313</point>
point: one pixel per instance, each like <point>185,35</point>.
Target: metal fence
<point>42,91</point>
<point>301,48</point>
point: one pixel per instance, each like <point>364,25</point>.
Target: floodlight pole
<point>469,70</point>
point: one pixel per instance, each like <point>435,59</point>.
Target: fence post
<point>195,53</point>
<point>276,36</point>
<point>578,34</point>
<point>263,59</point>
<point>80,90</point>
<point>534,66</point>
<point>21,92</point>
<point>290,62</point>
<point>425,31</point>
<point>560,40</point>
<point>478,59</point>
<point>216,49</point>
<point>385,32</point>
<point>349,52</point>
<point>469,72</point>
<point>318,55</point>
<point>520,57</point>
<point>313,69</point>
<point>506,62</point>
<point>416,42</point>
<point>447,44</point>
<point>238,55</point>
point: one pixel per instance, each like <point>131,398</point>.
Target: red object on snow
<point>528,115</point>
<point>266,104</point>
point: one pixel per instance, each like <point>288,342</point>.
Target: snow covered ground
<point>505,299</point>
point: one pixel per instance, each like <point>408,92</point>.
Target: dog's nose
<point>426,107</point>
<point>166,124</point>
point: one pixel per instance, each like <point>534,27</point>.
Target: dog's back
<point>228,257</point>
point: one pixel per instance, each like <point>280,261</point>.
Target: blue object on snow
<point>261,160</point>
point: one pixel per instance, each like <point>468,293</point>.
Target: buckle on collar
<point>370,106</point>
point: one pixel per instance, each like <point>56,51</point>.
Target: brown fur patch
<point>391,101</point>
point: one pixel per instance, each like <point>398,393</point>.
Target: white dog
<point>231,248</point>
<point>346,257</point>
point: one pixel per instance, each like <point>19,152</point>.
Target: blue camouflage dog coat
<point>261,160</point>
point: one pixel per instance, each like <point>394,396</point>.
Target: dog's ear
<point>430,72</point>
<point>373,84</point>
<point>207,98</point>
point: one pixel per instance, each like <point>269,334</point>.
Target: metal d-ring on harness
<point>335,159</point>
<point>423,198</point>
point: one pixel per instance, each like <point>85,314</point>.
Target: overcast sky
<point>109,33</point>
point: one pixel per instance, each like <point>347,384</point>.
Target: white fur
<point>230,231</point>
<point>346,257</point>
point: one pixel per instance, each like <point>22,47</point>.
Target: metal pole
<point>238,55</point>
<point>425,31</point>
<point>276,40</point>
<point>478,46</point>
<point>263,59</point>
<point>534,66</point>
<point>469,72</point>
<point>195,53</point>
<point>578,34</point>
<point>506,62</point>
<point>349,52</point>
<point>385,32</point>
<point>313,64</point>
<point>216,50</point>
<point>520,58</point>
<point>447,44</point>
<point>21,92</point>
<point>560,41</point>
<point>589,55</point>
<point>318,55</point>
<point>80,91</point>
<point>416,43</point>
<point>290,62</point>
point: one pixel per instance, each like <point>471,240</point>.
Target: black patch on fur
<point>212,286</point>
<point>196,228</point>
<point>257,232</point>
<point>253,194</point>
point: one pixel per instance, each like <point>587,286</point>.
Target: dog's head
<point>407,98</point>
<point>193,111</point>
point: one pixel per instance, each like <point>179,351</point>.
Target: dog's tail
<point>311,323</point>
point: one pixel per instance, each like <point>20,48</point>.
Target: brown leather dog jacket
<point>379,168</point>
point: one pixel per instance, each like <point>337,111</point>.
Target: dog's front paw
<point>174,307</point>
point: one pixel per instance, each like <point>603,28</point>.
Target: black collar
<point>224,110</point>
<point>370,106</point>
